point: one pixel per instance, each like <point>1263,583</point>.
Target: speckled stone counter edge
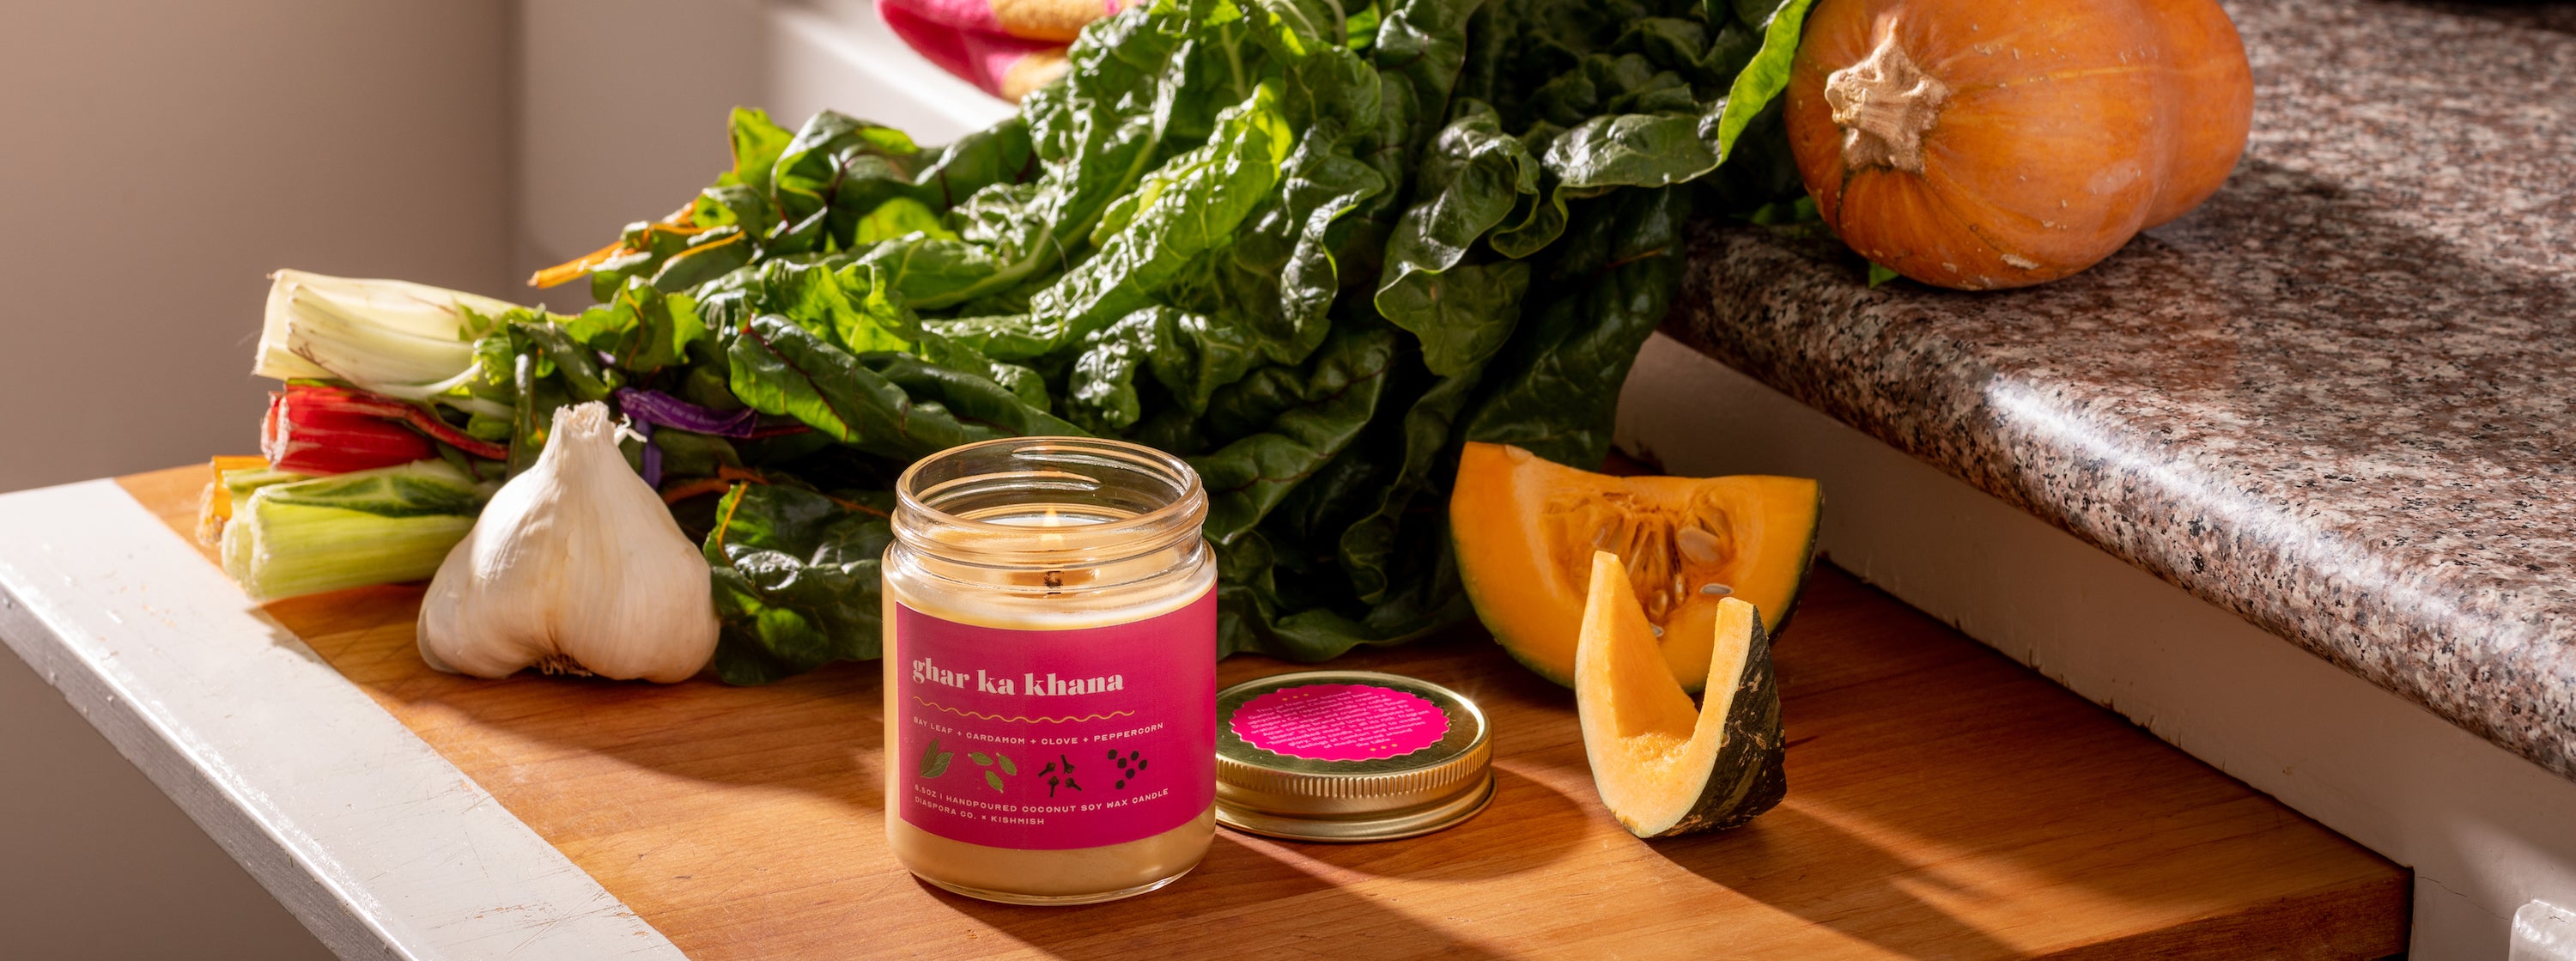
<point>1796,316</point>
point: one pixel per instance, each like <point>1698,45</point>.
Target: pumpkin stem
<point>1884,104</point>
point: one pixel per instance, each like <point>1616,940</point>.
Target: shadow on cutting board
<point>1245,885</point>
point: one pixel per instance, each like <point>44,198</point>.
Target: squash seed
<point>1697,544</point>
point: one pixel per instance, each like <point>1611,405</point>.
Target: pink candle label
<point>1340,722</point>
<point>1047,740</point>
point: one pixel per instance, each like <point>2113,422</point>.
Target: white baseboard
<point>2484,830</point>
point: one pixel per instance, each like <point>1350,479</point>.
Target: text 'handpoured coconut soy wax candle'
<point>1050,659</point>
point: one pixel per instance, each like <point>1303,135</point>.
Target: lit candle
<point>1050,659</point>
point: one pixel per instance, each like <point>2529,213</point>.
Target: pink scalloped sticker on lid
<point>1340,722</point>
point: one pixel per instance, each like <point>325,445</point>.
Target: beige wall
<point>161,157</point>
<point>605,137</point>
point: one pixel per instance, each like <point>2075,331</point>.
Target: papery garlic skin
<point>575,565</point>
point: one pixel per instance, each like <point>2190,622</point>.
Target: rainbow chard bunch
<point>1313,248</point>
<point>376,462</point>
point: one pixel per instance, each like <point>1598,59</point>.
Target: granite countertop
<point>2336,399</point>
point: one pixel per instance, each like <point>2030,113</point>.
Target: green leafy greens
<point>1312,249</point>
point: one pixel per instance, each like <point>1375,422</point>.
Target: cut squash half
<point>1663,766</point>
<point>1526,529</point>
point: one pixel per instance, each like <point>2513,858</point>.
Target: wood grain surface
<point>1943,803</point>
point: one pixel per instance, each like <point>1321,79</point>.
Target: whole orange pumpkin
<point>1979,144</point>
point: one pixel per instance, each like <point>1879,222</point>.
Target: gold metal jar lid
<point>1349,756</point>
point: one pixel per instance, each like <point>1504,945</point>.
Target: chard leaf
<point>1471,177</point>
<point>948,407</point>
<point>1206,354</point>
<point>1368,548</point>
<point>1255,613</point>
<point>533,366</point>
<point>1189,355</point>
<point>706,256</point>
<point>1462,315</point>
<point>999,154</point>
<point>899,217</point>
<point>1287,422</point>
<point>795,580</point>
<point>1023,383</point>
<point>1185,208</point>
<point>1095,133</point>
<point>1309,223</point>
<point>1762,79</point>
<point>1421,44</point>
<point>851,306</point>
<point>757,143</point>
<point>833,172</point>
<point>642,329</point>
<point>935,271</point>
<point>889,404</point>
<point>686,454</point>
<point>1556,390</point>
<point>1728,52</point>
<point>1003,337</point>
<point>1101,394</point>
<point>779,367</point>
<point>1539,218</point>
<point>1621,150</point>
<point>1267,296</point>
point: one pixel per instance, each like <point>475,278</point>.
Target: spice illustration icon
<point>934,762</point>
<point>991,778</point>
<point>1060,773</point>
<point>1129,767</point>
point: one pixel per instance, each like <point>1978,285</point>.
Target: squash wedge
<point>1526,528</point>
<point>1662,766</point>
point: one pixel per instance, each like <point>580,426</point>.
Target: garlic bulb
<point>575,567</point>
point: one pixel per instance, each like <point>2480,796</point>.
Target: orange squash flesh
<point>1664,766</point>
<point>1975,146</point>
<point>1526,529</point>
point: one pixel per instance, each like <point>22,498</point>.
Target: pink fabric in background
<point>962,37</point>
<point>952,14</point>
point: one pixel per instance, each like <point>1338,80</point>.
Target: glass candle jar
<point>1050,671</point>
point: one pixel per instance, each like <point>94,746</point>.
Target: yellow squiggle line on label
<point>979,715</point>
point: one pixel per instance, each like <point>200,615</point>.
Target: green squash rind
<point>1750,774</point>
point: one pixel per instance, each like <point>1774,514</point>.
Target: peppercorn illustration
<point>1129,766</point>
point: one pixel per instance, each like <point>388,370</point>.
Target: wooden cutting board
<point>1943,802</point>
